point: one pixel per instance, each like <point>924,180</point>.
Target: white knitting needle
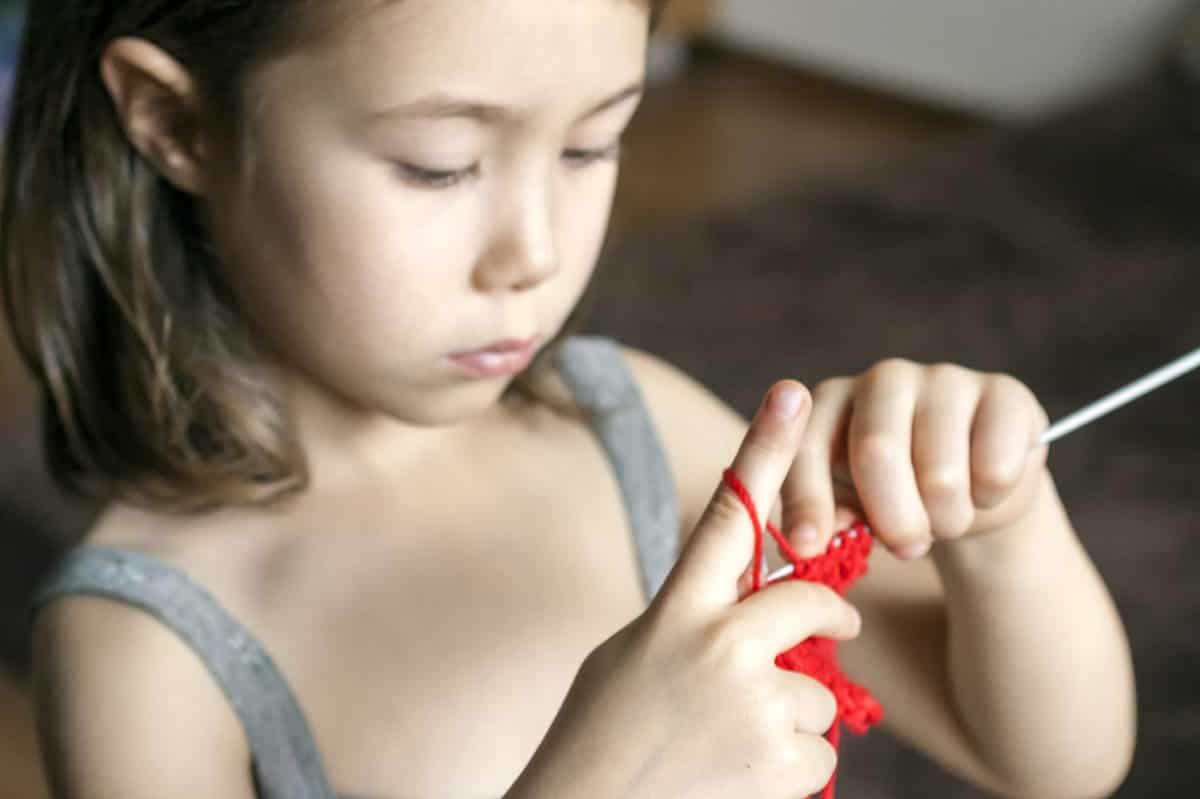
<point>1090,413</point>
<point>1138,388</point>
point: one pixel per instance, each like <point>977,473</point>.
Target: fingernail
<point>804,539</point>
<point>804,534</point>
<point>785,400</point>
<point>915,551</point>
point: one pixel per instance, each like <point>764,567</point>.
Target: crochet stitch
<point>843,562</point>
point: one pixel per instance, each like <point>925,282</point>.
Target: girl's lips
<point>508,358</point>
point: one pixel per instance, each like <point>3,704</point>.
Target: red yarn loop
<point>843,562</point>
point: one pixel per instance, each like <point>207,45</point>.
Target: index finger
<point>723,542</point>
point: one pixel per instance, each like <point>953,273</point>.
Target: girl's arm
<point>124,709</point>
<point>1001,657</point>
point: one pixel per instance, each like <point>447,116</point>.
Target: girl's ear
<point>160,110</point>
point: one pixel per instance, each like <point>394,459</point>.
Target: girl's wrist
<point>1017,554</point>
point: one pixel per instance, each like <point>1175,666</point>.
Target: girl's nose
<point>514,265</point>
<point>523,253</point>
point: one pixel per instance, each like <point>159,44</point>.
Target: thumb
<point>723,541</point>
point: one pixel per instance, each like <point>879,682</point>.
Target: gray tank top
<point>286,763</point>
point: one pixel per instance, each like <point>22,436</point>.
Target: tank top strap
<point>286,762</point>
<point>595,369</point>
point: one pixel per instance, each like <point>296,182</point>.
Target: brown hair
<point>153,392</point>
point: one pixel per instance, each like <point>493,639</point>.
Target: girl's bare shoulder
<point>223,551</point>
<point>117,692</point>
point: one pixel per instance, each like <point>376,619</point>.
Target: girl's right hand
<point>687,700</point>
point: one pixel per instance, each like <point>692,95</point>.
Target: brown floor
<point>734,128</point>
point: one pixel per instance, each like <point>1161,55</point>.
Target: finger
<point>815,763</point>
<point>786,613</point>
<point>880,448</point>
<point>941,449</point>
<point>808,491</point>
<point>846,516</point>
<point>809,707</point>
<point>1007,419</point>
<point>746,580</point>
<point>723,543</point>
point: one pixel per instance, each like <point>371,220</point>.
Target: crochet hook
<point>1089,413</point>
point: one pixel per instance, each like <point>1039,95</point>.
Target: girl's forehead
<point>483,41</point>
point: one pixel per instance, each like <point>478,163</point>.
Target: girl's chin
<point>463,404</point>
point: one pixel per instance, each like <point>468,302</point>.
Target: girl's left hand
<point>923,453</point>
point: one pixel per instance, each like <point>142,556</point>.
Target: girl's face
<point>435,179</point>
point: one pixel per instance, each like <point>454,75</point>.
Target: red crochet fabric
<point>843,562</point>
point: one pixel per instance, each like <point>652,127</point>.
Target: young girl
<point>283,269</point>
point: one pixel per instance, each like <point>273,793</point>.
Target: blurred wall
<point>1012,59</point>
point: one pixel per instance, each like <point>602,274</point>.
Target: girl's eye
<point>582,158</point>
<point>448,178</point>
<point>436,178</point>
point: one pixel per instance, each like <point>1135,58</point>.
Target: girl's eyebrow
<point>445,106</point>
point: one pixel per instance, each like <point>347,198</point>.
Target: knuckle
<point>941,483</point>
<point>772,710</point>
<point>726,510</point>
<point>594,662</point>
<point>657,623</point>
<point>832,387</point>
<point>824,758</point>
<point>877,449</point>
<point>725,645</point>
<point>1006,382</point>
<point>1039,410</point>
<point>824,707</point>
<point>814,760</point>
<point>994,478</point>
<point>944,370</point>
<point>599,661</point>
<point>1002,382</point>
<point>892,365</point>
<point>896,362</point>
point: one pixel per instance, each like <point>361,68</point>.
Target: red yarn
<point>843,562</point>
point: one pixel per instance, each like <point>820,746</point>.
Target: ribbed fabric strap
<point>286,762</point>
<point>598,375</point>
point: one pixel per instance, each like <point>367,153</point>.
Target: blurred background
<point>813,186</point>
